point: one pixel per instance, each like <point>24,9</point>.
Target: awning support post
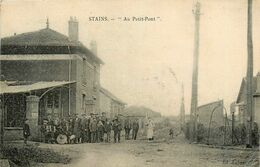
<point>32,114</point>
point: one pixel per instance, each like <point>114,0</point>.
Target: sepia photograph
<point>129,83</point>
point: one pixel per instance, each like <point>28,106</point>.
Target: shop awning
<point>40,57</point>
<point>5,89</point>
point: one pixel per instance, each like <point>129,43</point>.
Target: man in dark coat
<point>171,133</point>
<point>127,128</point>
<point>100,131</point>
<point>107,130</point>
<point>93,128</point>
<point>84,128</point>
<point>77,130</point>
<point>104,120</point>
<point>135,129</point>
<point>26,131</point>
<point>44,129</point>
<point>117,130</point>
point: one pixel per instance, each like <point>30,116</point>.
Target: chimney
<point>47,23</point>
<point>73,29</point>
<point>93,47</point>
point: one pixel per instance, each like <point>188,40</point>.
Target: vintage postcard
<point>129,83</point>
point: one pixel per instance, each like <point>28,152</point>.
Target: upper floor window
<point>83,100</point>
<point>95,82</point>
<point>84,71</point>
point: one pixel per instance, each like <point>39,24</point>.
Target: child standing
<point>26,131</point>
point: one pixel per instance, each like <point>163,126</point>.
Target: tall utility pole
<point>1,99</point>
<point>194,93</point>
<point>182,109</point>
<point>249,76</point>
<point>1,126</point>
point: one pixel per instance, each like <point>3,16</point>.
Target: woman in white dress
<point>150,127</point>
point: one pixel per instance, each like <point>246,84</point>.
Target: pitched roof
<point>243,86</point>
<point>45,37</point>
<point>110,95</point>
<point>218,102</point>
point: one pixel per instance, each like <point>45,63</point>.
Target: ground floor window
<point>53,102</point>
<point>15,110</point>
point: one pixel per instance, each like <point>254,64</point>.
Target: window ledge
<point>256,94</point>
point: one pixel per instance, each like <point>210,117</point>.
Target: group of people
<point>85,129</point>
<point>131,126</point>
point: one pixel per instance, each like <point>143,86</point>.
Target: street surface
<point>158,153</point>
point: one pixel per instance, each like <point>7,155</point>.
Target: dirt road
<point>154,154</point>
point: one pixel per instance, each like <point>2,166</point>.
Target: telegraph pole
<point>1,100</point>
<point>194,93</point>
<point>249,76</point>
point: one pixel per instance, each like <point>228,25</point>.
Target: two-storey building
<point>45,73</point>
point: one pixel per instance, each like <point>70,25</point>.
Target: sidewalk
<point>239,147</point>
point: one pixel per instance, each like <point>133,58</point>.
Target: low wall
<point>13,133</point>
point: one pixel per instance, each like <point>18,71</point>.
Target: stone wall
<point>11,134</point>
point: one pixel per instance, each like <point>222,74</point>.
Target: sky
<point>139,54</point>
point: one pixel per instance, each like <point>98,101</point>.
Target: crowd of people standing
<point>87,129</point>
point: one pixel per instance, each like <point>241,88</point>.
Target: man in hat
<point>51,130</point>
<point>107,130</point>
<point>117,129</point>
<point>44,129</point>
<point>135,129</point>
<point>104,120</point>
<point>26,131</point>
<point>127,128</point>
<point>77,129</point>
<point>100,130</point>
<point>103,117</point>
<point>93,128</point>
<point>84,128</point>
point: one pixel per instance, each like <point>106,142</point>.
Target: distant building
<point>215,109</point>
<point>110,104</point>
<point>241,100</point>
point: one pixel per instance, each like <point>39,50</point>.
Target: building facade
<point>59,70</point>
<point>110,104</point>
<point>241,101</point>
